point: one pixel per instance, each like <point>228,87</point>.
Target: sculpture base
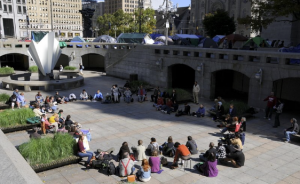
<point>48,77</point>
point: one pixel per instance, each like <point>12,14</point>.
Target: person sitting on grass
<point>209,168</point>
<point>144,173</point>
<point>39,98</point>
<point>126,165</point>
<point>21,101</point>
<point>37,111</point>
<point>203,157</point>
<point>83,153</point>
<point>159,104</point>
<point>12,101</point>
<point>127,95</point>
<point>181,152</point>
<point>168,107</point>
<point>84,95</point>
<point>200,112</point>
<point>191,145</point>
<point>98,96</point>
<point>154,162</point>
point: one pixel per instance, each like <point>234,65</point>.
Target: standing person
<point>127,94</point>
<point>272,100</point>
<point>115,92</point>
<point>82,152</point>
<point>141,94</point>
<point>173,95</point>
<point>294,129</point>
<point>278,110</point>
<point>155,95</point>
<point>81,67</point>
<point>61,68</point>
<point>196,90</point>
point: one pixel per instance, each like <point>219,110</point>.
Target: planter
<point>57,163</point>
<point>6,75</point>
<point>19,127</point>
<point>4,106</point>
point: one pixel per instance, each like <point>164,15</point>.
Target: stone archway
<point>287,90</point>
<point>93,61</point>
<point>230,85</point>
<point>181,76</point>
<point>63,60</point>
<point>15,60</point>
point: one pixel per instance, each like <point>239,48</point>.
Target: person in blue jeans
<point>294,129</point>
<point>83,153</point>
<point>127,95</point>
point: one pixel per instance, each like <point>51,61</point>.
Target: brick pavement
<point>268,158</point>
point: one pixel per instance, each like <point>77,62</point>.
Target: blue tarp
<point>77,39</point>
<point>217,38</point>
<point>155,35</point>
<point>292,50</point>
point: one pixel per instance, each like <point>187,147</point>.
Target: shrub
<point>7,70</point>
<point>4,97</point>
<point>46,150</point>
<point>239,106</point>
<point>33,69</point>
<point>134,85</point>
<point>10,118</point>
<point>69,68</point>
<point>182,95</point>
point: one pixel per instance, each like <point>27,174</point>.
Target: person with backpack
<point>126,165</point>
<point>168,147</point>
<point>82,152</point>
<point>144,173</point>
<point>153,146</point>
<point>154,162</point>
<point>191,145</point>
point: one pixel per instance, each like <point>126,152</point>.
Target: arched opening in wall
<point>230,85</point>
<point>62,60</point>
<point>181,76</point>
<point>93,62</point>
<point>288,91</point>
<point>17,61</point>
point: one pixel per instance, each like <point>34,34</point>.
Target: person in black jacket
<point>58,98</point>
<point>219,111</point>
<point>124,148</point>
<point>232,111</point>
<point>173,95</point>
<point>294,129</point>
<point>155,95</point>
<point>187,109</point>
<point>212,149</point>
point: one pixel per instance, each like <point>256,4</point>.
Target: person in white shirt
<point>72,97</point>
<point>83,95</point>
<point>61,68</point>
<point>196,90</point>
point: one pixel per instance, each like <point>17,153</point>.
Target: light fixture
<point>159,62</point>
<point>200,68</point>
<point>258,75</point>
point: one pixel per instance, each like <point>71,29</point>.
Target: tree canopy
<point>263,13</point>
<point>127,22</point>
<point>218,23</point>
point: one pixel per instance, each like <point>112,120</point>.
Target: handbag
<point>131,178</point>
<point>132,157</point>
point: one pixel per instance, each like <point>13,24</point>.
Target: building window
<point>0,5</point>
<point>9,8</point>
<point>18,1</point>
<point>19,9</point>
<point>23,1</point>
<point>24,9</point>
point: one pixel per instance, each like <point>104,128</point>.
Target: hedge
<point>7,70</point>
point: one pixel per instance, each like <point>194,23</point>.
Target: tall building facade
<point>128,6</point>
<point>11,12</point>
<point>235,8</point>
<point>99,11</point>
<point>61,16</point>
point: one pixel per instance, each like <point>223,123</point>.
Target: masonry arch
<point>63,60</point>
<point>287,89</point>
<point>181,76</point>
<point>16,60</point>
<point>93,61</point>
<point>230,85</point>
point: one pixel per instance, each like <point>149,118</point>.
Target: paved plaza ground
<point>268,158</point>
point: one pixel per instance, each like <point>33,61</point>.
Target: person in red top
<point>159,104</point>
<point>272,100</point>
<point>141,94</point>
<point>181,152</point>
<point>82,152</point>
<point>168,107</point>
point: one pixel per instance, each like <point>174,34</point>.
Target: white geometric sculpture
<point>45,53</point>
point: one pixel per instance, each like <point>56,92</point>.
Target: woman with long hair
<point>82,152</point>
<point>209,168</point>
<point>144,173</point>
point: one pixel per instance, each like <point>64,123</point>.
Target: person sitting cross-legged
<point>84,95</point>
<point>141,94</point>
<point>237,141</point>
<point>127,95</point>
<point>181,152</point>
<point>154,162</point>
<point>82,152</point>
<point>167,148</point>
<point>231,126</point>
<point>209,168</point>
<point>98,96</point>
<point>237,157</point>
<point>191,145</point>
<point>200,112</point>
<point>126,165</point>
<point>139,151</point>
<point>203,157</point>
<point>144,173</point>
<point>159,104</point>
<point>168,107</point>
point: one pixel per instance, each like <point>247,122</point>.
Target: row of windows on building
<point>59,27</point>
<point>43,2</point>
<point>67,16</point>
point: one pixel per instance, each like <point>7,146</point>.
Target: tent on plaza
<point>207,43</point>
<point>218,38</point>
<point>292,50</point>
<point>105,39</point>
<point>258,41</point>
<point>163,39</point>
<point>142,38</point>
<point>77,39</point>
<point>155,35</point>
<point>185,38</point>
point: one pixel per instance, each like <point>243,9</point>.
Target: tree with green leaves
<point>218,23</point>
<point>105,22</point>
<point>263,13</point>
<point>146,17</point>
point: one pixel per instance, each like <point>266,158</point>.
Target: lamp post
<point>141,3</point>
<point>97,30</point>
<point>166,12</point>
<point>115,29</point>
